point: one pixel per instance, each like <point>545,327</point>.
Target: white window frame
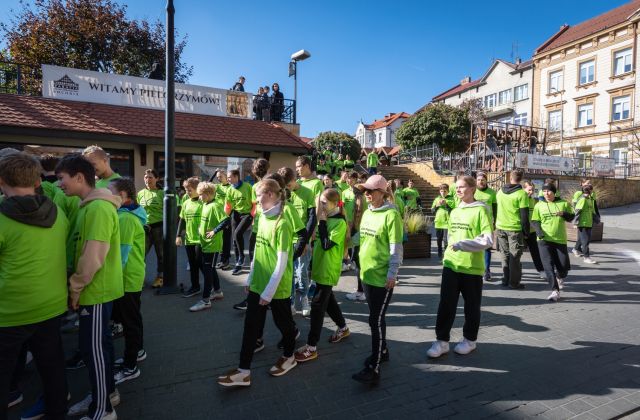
<point>555,121</point>
<point>520,93</point>
<point>589,68</point>
<point>521,119</point>
<point>555,81</point>
<point>490,100</point>
<point>622,156</point>
<point>585,110</point>
<point>620,101</point>
<point>624,57</point>
<point>504,97</point>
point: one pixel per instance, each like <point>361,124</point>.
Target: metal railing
<point>268,109</point>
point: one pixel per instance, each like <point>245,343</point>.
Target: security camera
<point>300,55</point>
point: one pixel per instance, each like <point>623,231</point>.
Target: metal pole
<point>295,91</point>
<point>170,202</point>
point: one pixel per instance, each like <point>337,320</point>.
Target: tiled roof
<point>307,140</point>
<point>459,88</point>
<point>69,116</point>
<point>568,34</point>
<point>386,121</point>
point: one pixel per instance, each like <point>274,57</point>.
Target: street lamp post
<point>169,216</point>
<point>293,71</point>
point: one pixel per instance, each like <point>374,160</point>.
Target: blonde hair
<point>95,150</point>
<point>20,170</point>
<point>206,188</point>
<point>331,194</point>
<point>272,186</point>
<point>193,182</point>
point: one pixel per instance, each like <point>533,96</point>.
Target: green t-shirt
<point>33,272</point>
<point>587,207</point>
<point>532,205</point>
<point>191,213</point>
<point>553,226</point>
<point>152,201</point>
<point>441,220</point>
<point>221,193</point>
<point>509,206</point>
<point>488,196</point>
<point>240,198</point>
<point>104,183</point>
<point>98,221</point>
<point>341,186</point>
<point>339,165</point>
<point>212,215</point>
<point>378,230</point>
<point>132,238</point>
<point>290,213</point>
<point>349,200</point>
<point>410,196</point>
<point>372,161</point>
<point>322,168</point>
<point>68,204</point>
<point>399,202</point>
<point>327,265</point>
<point>348,163</point>
<point>314,184</point>
<point>274,235</point>
<point>302,199</point>
<point>467,222</point>
<point>578,194</point>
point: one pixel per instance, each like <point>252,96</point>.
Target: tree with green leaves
<point>438,124</point>
<point>88,34</point>
<point>339,142</point>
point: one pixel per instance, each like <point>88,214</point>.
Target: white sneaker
<point>82,407</point>
<point>283,365</point>
<point>142,355</point>
<point>306,308</point>
<point>353,265</point>
<point>542,275</point>
<point>560,283</point>
<point>108,416</point>
<point>235,378</point>
<point>188,267</point>
<point>201,306</point>
<point>554,296</point>
<point>217,295</point>
<point>589,260</point>
<point>438,348</point>
<point>465,346</point>
<point>358,296</point>
<point>346,267</point>
<point>293,308</point>
<point>576,252</point>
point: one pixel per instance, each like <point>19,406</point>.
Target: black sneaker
<point>75,362</point>
<point>368,362</point>
<point>191,292</point>
<point>367,376</point>
<point>259,345</point>
<point>237,270</point>
<point>281,343</point>
<point>242,306</point>
<point>518,287</point>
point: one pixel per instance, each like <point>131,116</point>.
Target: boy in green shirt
<point>126,310</point>
<point>487,196</point>
<point>512,224</point>
<point>239,198</point>
<point>190,215</point>
<point>411,197</point>
<point>222,189</point>
<point>548,219</point>
<point>442,206</point>
<point>33,281</point>
<point>97,276</point>
<point>151,199</point>
<point>372,162</point>
<point>100,161</point>
<point>586,211</point>
<point>306,178</point>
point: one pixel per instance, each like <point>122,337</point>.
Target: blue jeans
<point>373,171</point>
<point>487,260</point>
<point>96,346</point>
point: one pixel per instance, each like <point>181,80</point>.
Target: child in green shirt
<point>549,219</point>
<point>151,199</point>
<point>586,211</point>
<point>268,283</point>
<point>532,243</point>
<point>411,197</point>
<point>188,226</point>
<point>100,161</point>
<point>97,276</point>
<point>328,251</point>
<point>442,206</point>
<point>239,198</point>
<point>33,281</point>
<point>126,310</point>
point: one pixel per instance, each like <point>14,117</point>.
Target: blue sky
<point>369,58</point>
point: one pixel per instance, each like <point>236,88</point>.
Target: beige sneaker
<point>158,282</point>
<point>305,353</point>
<point>235,378</point>
<point>339,335</point>
<point>282,366</point>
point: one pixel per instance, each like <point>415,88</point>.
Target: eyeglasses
<point>368,191</point>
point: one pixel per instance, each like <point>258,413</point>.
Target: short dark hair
<point>49,162</point>
<point>517,174</point>
<point>287,174</point>
<point>74,164</point>
<point>278,178</point>
<point>152,172</point>
<point>304,160</point>
<point>469,180</point>
<point>260,167</point>
<point>235,172</point>
<point>20,170</point>
<point>127,185</point>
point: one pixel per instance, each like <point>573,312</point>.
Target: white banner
<point>551,163</point>
<point>604,166</point>
<point>112,89</point>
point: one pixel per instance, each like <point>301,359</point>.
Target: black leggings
<point>555,259</point>
<point>209,261</point>
<point>254,320</point>
<point>240,224</point>
<point>441,236</point>
<point>323,301</point>
<point>195,266</point>
<point>355,257</point>
<point>153,237</point>
<point>454,284</point>
<point>584,238</point>
<point>126,311</point>
<point>378,299</point>
<point>532,244</point>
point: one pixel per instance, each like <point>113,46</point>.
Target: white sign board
<point>604,166</point>
<point>551,163</point>
<point>113,89</point>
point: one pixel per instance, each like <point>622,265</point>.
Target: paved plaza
<point>576,358</point>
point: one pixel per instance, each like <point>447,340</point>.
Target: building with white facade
<point>380,133</point>
<point>586,86</point>
<point>505,91</point>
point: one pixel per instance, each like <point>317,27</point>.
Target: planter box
<point>596,232</point>
<point>418,246</point>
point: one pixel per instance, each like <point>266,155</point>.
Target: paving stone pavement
<point>579,358</point>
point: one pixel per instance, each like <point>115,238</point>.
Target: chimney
<point>465,80</point>
<point>518,61</point>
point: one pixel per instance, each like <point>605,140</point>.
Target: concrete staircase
<point>428,192</point>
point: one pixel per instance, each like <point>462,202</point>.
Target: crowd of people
<point>265,107</point>
<point>74,236</point>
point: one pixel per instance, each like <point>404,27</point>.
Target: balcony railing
<point>268,109</point>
